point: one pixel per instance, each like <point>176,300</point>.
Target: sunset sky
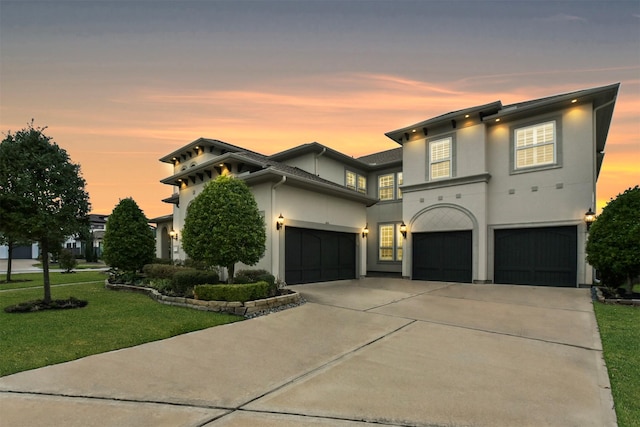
<point>119,84</point>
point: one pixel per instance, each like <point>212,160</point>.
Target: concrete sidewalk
<point>19,266</point>
<point>384,351</point>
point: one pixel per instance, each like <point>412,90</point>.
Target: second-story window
<point>440,158</point>
<point>386,186</point>
<point>355,181</point>
<point>389,186</point>
<point>362,184</point>
<point>535,145</point>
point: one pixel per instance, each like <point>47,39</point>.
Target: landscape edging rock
<point>232,307</point>
<point>621,301</point>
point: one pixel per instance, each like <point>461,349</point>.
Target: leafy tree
<point>223,226</point>
<point>128,240</point>
<point>42,193</point>
<point>614,240</point>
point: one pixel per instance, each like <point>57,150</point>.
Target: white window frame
<point>436,161</point>
<point>389,187</point>
<point>393,188</point>
<point>556,141</point>
<point>535,139</point>
<point>397,240</point>
<point>359,181</point>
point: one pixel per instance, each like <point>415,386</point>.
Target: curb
<point>232,307</point>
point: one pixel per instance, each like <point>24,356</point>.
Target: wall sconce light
<point>173,234</point>
<point>589,217</point>
<point>365,231</point>
<point>279,222</point>
<point>403,229</point>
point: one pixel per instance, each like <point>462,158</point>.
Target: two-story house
<point>490,193</point>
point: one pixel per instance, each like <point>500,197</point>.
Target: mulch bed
<point>40,305</point>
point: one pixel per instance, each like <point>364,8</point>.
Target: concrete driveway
<point>384,351</point>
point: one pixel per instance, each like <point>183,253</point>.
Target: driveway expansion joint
<point>325,365</point>
<point>337,418</point>
<point>114,399</point>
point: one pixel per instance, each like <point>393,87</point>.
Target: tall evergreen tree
<point>128,240</point>
<point>42,193</point>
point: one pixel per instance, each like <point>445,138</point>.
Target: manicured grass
<point>81,265</point>
<point>111,321</point>
<point>620,332</point>
<point>35,280</point>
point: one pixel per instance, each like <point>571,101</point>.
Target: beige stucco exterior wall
<point>309,209</point>
<point>300,208</point>
<point>537,198</point>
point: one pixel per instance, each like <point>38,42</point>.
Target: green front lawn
<point>620,332</point>
<point>35,280</point>
<point>111,321</point>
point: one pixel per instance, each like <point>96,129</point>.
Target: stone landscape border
<point>622,301</point>
<point>233,307</point>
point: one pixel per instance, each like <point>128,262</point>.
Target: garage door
<point>536,256</point>
<point>21,252</point>
<point>318,256</point>
<point>442,256</point>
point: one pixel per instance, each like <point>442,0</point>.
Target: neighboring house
<point>97,224</point>
<point>490,193</point>
<point>20,251</point>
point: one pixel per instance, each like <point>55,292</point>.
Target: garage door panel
<point>318,256</point>
<point>536,256</point>
<point>443,256</point>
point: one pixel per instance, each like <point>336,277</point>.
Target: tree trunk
<point>9,260</point>
<point>44,247</point>
<point>231,269</point>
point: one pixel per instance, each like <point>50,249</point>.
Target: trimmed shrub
<point>234,292</point>
<point>67,260</point>
<point>184,280</point>
<point>258,275</point>
<point>161,285</point>
<point>160,271</point>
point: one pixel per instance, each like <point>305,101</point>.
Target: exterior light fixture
<point>589,218</point>
<point>173,234</point>
<point>279,222</point>
<point>365,231</point>
<point>466,116</point>
<point>573,101</point>
<point>497,120</point>
<point>403,229</point>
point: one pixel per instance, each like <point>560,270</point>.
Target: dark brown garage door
<point>318,256</point>
<point>442,256</point>
<point>536,256</point>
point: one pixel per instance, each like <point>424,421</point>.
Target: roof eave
<point>274,175</point>
<point>402,135</point>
